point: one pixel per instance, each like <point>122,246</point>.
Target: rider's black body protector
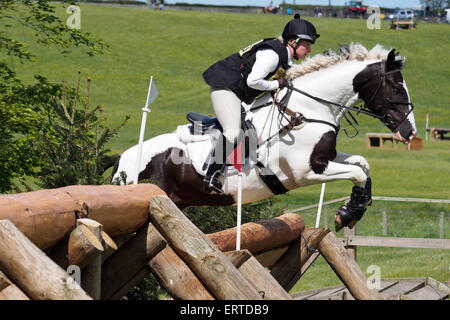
<point>232,72</point>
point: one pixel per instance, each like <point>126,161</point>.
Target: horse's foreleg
<point>353,159</point>
<point>354,209</point>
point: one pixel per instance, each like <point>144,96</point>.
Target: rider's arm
<point>265,63</point>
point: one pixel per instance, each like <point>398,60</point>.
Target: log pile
<point>100,241</point>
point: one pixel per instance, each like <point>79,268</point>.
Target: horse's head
<point>385,93</point>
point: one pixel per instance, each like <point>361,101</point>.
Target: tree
<point>21,119</point>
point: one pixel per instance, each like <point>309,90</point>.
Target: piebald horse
<point>323,90</point>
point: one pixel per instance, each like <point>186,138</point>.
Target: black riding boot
<point>214,177</point>
<point>353,211</point>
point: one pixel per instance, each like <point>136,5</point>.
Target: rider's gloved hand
<point>282,83</point>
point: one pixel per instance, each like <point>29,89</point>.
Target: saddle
<point>201,124</point>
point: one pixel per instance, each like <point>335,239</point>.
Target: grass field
<point>177,46</point>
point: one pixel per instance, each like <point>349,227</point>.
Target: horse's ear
<point>390,60</point>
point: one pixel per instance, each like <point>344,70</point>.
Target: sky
<point>380,3</point>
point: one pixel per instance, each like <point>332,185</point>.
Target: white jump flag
<point>151,96</point>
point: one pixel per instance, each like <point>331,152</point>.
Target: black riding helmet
<point>299,29</point>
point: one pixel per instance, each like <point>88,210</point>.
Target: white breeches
<point>227,107</point>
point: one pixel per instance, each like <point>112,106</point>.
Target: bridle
<point>295,118</point>
<point>387,118</point>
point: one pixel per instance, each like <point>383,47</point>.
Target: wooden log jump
<point>188,263</point>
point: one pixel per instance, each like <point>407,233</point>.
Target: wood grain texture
<point>202,256</point>
<point>48,216</point>
<point>287,271</point>
<point>262,235</point>
<point>27,266</point>
<point>346,268</point>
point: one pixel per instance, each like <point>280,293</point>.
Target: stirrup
<point>208,184</point>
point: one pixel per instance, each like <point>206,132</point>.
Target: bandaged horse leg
<point>360,198</point>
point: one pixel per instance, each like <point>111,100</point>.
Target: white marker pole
<point>151,95</point>
<point>426,127</point>
<point>239,210</point>
<point>319,210</point>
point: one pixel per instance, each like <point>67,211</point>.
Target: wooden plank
<point>202,256</point>
<point>35,273</point>
<point>425,293</point>
<point>397,242</point>
<point>442,288</point>
<point>305,295</point>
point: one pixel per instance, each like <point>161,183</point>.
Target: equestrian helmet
<point>300,29</point>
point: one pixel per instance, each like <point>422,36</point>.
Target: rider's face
<point>303,49</point>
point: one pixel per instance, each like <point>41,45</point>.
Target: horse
<point>296,128</point>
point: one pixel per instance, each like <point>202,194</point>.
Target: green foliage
<point>213,219</point>
<point>73,146</point>
<point>22,120</point>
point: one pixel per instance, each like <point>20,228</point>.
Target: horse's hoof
<point>338,224</point>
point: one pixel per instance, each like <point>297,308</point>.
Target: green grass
<point>177,46</point>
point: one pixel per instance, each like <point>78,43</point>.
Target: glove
<point>282,83</point>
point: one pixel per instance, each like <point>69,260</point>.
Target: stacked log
<point>47,216</point>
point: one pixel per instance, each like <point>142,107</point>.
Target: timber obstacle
<point>115,235</point>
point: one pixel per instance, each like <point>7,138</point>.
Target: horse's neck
<point>334,84</point>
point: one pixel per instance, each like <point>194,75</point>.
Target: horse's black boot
<point>353,210</point>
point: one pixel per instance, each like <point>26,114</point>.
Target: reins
<point>295,118</point>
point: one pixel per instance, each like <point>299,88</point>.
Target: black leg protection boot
<point>354,209</point>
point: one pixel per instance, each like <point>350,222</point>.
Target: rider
<point>245,75</point>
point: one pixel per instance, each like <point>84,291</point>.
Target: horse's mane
<point>353,51</point>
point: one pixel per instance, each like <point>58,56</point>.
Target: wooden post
<point>91,276</point>
<point>385,228</point>
<point>176,277</point>
<point>288,270</point>
<point>130,259</point>
<point>202,256</point>
<point>351,232</point>
<point>25,264</point>
<point>346,268</point>
<point>83,247</point>
<point>257,275</point>
<point>9,291</point>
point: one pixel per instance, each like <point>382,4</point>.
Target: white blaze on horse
<point>296,130</point>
